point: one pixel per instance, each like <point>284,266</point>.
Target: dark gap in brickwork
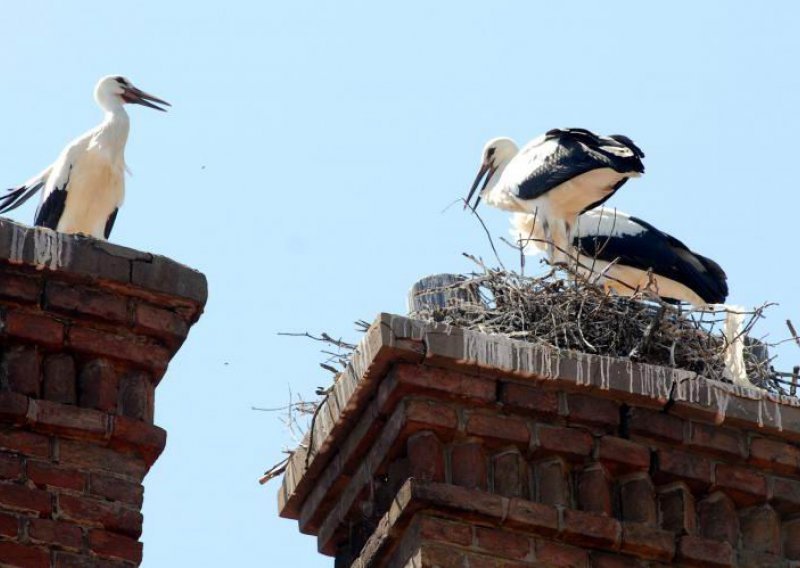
<point>624,421</point>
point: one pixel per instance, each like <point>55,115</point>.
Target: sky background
<point>310,153</point>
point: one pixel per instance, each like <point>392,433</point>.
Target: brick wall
<point>87,330</point>
<point>445,448</point>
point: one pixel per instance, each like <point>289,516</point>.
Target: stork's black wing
<point>110,222</point>
<point>565,153</point>
<point>652,249</point>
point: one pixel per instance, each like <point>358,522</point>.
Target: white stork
<point>557,176</point>
<point>85,187</point>
<point>625,252</point>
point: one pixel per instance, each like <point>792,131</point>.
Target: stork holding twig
<point>84,189</point>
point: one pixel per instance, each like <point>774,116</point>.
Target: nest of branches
<point>569,312</point>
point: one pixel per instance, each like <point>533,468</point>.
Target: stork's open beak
<point>136,96</point>
<point>486,170</point>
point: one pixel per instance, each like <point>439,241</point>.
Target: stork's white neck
<point>497,194</point>
<point>112,134</point>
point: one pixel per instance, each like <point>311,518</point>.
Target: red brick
<point>45,531</point>
<point>22,498</point>
<point>26,443</point>
<point>594,490</point>
<point>124,348</point>
<point>620,455</point>
<point>136,396</point>
<point>717,519</point>
<point>600,560</point>
<point>147,440</point>
<point>530,398</point>
<point>103,514</point>
<point>696,551</point>
<point>791,539</point>
<point>534,517</point>
<point>13,407</point>
<point>69,560</point>
<point>569,442</point>
<point>552,486</point>
<point>715,440</point>
<point>426,456</point>
<point>22,370</point>
<point>10,466</point>
<point>427,415</point>
<point>72,299</point>
<point>676,504</point>
<point>42,330</point>
<point>44,474</point>
<point>59,379</point>
<point>645,541</point>
<point>9,525</point>
<point>468,502</point>
<point>761,530</point>
<point>454,384</point>
<point>116,489</point>
<point>589,529</point>
<point>593,410</point>
<point>503,543</point>
<point>96,458</point>
<point>161,323</point>
<point>656,425</point>
<point>692,469</point>
<point>111,545</point>
<point>509,474</point>
<point>786,495</point>
<point>98,385</point>
<point>775,456</point>
<point>441,557</point>
<point>19,287</point>
<point>448,532</point>
<point>744,486</point>
<point>555,555</point>
<point>68,420</point>
<point>24,556</point>
<point>468,464</point>
<point>638,500</point>
<point>505,429</point>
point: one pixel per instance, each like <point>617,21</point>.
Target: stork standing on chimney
<point>557,176</point>
<point>84,189</point>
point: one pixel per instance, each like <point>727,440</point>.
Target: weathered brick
<point>530,399</point>
<point>13,407</point>
<point>19,287</point>
<point>552,484</point>
<point>621,456</point>
<point>717,519</point>
<point>98,385</point>
<point>120,347</point>
<point>744,486</point>
<point>426,456</point>
<point>692,469</point>
<point>646,541</point>
<point>441,557</point>
<point>59,383</point>
<point>428,415</point>
<point>555,555</point>
<point>451,383</point>
<point>22,370</point>
<point>468,464</point>
<point>786,495</point>
<point>9,525</point>
<point>593,410</point>
<point>26,443</point>
<point>533,517</point>
<point>638,500</point>
<point>46,531</point>
<point>71,560</point>
<point>24,556</point>
<point>10,466</point>
<point>42,330</point>
<point>102,514</point>
<point>147,440</point>
<point>594,490</point>
<point>509,474</point>
<point>500,428</point>
<point>161,323</point>
<point>715,440</point>
<point>47,474</point>
<point>164,275</point>
<point>676,504</point>
<point>696,551</point>
<point>96,458</point>
<point>775,456</point>
<point>81,300</point>
<point>503,543</point>
<point>656,425</point>
<point>601,560</point>
<point>761,530</point>
<point>568,442</point>
<point>136,396</point>
<point>441,530</point>
<point>108,544</point>
<point>116,489</point>
<point>22,498</point>
<point>68,420</point>
<point>589,529</point>
<point>791,539</point>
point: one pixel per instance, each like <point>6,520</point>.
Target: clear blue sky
<point>311,150</point>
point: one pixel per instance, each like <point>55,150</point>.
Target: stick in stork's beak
<point>136,96</point>
<point>486,170</point>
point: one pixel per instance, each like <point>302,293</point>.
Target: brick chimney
<point>86,332</point>
<point>446,448</point>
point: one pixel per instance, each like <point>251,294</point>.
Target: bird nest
<point>573,313</point>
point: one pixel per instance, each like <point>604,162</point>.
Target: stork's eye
<point>490,153</point>
<point>120,80</point>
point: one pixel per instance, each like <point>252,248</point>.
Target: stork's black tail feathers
<point>16,196</point>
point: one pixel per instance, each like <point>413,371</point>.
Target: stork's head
<point>113,91</point>
<point>496,154</point>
